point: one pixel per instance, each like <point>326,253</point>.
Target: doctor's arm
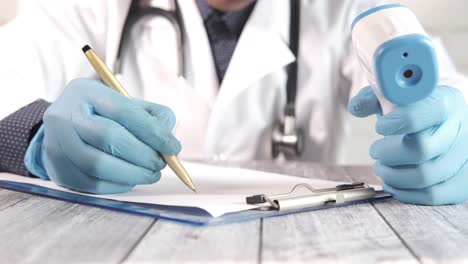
<point>90,138</point>
<point>23,81</point>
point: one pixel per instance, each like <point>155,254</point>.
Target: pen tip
<point>86,48</point>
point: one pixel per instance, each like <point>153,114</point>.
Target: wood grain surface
<point>41,230</point>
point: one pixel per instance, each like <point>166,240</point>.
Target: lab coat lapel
<point>116,18</point>
<point>200,86</point>
<point>199,64</point>
<point>261,49</point>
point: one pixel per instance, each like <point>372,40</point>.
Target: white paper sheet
<point>220,190</point>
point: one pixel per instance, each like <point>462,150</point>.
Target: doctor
<point>233,91</point>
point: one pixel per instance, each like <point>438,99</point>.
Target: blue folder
<point>186,215</point>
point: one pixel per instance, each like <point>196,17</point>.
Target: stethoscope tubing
<point>139,10</point>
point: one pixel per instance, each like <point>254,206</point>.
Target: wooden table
<point>41,230</point>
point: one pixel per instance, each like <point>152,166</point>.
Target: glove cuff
<point>34,157</point>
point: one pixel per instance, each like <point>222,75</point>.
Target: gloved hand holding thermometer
<point>423,156</point>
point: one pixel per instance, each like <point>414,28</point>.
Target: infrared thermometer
<point>396,54</point>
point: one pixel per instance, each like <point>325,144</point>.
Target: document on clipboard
<point>222,191</point>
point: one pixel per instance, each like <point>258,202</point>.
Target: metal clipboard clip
<point>341,194</point>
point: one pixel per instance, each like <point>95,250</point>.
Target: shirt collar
<point>235,21</point>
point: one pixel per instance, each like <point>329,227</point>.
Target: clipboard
<point>344,195</point>
<point>341,194</point>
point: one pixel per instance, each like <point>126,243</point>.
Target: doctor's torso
<point>228,120</point>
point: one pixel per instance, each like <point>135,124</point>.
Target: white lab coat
<point>41,53</point>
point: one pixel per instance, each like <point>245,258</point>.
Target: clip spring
<point>337,195</point>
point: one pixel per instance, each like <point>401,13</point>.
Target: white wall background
<point>8,9</point>
<point>447,19</point>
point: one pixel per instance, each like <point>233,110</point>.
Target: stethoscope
<point>286,138</point>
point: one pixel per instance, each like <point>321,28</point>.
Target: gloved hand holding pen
<point>423,156</point>
<point>95,140</point>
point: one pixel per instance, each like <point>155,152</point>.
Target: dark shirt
<point>224,30</point>
<point>16,131</point>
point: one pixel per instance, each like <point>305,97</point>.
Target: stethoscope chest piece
<point>287,139</point>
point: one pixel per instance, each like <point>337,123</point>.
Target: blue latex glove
<point>95,140</point>
<point>423,156</point>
